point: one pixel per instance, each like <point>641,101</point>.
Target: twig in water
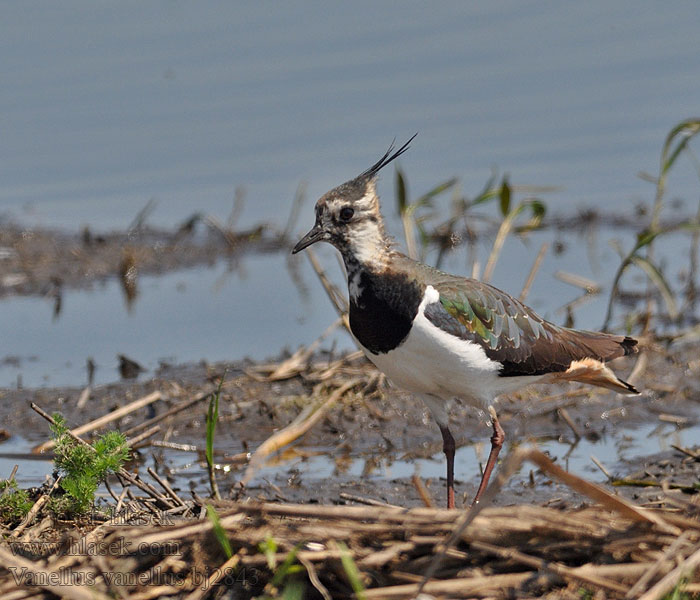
<point>601,466</point>
<point>687,451</point>
<point>307,418</point>
<point>166,486</point>
<point>84,397</point>
<point>136,440</point>
<point>503,231</point>
<point>640,366</point>
<point>587,285</point>
<point>367,501</point>
<point>564,414</point>
<point>296,363</point>
<point>236,209</point>
<point>533,271</point>
<point>141,216</point>
<point>176,446</point>
<point>677,420</point>
<point>185,404</point>
<point>336,297</point>
<point>296,207</point>
<point>422,491</point>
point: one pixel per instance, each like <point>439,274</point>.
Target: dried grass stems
<point>610,550</point>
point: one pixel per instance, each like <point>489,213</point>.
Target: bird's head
<point>349,217</point>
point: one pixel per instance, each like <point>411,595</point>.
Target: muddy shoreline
<point>40,262</point>
<point>375,423</point>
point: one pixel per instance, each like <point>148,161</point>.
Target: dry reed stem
<point>602,468</point>
<point>84,397</point>
<point>503,231</point>
<point>104,419</point>
<point>511,464</point>
<point>465,587</point>
<point>297,363</point>
<point>544,565</point>
<point>184,405</point>
<point>587,285</point>
<point>166,486</point>
<point>639,368</point>
<point>650,573</point>
<point>309,416</point>
<point>393,546</point>
<point>34,510</point>
<point>422,491</point>
<point>336,297</point>
<point>564,414</point>
<point>671,579</point>
<point>313,577</point>
<point>533,271</point>
<point>135,441</point>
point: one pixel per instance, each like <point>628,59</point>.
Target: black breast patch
<point>381,317</point>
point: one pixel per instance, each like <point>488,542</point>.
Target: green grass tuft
<point>212,419</point>
<point>14,502</point>
<point>219,531</point>
<point>84,468</point>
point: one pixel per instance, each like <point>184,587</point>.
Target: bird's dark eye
<point>346,213</point>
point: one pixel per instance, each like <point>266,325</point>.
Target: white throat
<point>367,243</point>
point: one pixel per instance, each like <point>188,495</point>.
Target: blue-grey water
<point>106,106</point>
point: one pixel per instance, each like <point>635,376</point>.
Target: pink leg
<point>448,447</point>
<point>497,440</point>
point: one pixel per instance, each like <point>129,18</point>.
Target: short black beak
<point>315,235</point>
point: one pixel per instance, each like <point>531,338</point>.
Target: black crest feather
<point>387,158</point>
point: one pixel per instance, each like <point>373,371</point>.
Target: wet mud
<point>377,426</point>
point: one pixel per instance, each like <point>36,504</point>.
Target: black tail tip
<point>630,387</point>
<point>629,345</point>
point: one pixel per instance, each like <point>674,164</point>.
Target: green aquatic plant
<point>641,255</point>
<point>212,419</point>
<point>84,466</point>
<point>421,227</point>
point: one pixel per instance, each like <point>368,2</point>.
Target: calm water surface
<point>107,106</point>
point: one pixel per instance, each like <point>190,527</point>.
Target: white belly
<point>436,363</point>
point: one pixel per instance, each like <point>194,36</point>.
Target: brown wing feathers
<point>591,368</point>
<point>556,350</point>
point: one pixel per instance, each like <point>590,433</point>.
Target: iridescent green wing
<point>508,331</point>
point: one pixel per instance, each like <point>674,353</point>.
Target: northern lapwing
<point>442,336</point>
